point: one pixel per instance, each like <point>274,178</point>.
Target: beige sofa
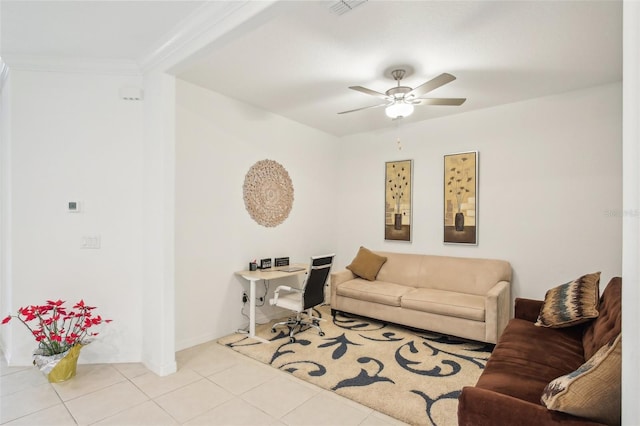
<point>463,297</point>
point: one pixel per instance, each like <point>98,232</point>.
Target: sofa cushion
<point>593,390</point>
<point>609,323</point>
<point>447,303</point>
<point>572,303</point>
<point>373,291</point>
<point>366,264</point>
<point>527,358</point>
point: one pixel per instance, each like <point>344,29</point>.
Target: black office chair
<point>304,299</point>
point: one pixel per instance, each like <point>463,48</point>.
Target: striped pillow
<point>572,303</point>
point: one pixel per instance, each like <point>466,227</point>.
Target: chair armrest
<point>497,308</point>
<point>527,309</point>
<point>276,293</point>
<point>482,407</point>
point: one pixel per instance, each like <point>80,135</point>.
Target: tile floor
<point>213,386</point>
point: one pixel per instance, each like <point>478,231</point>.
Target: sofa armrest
<point>338,278</point>
<point>497,310</point>
<point>527,309</point>
<point>480,407</point>
<point>341,276</point>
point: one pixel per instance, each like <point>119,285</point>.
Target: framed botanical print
<point>398,187</point>
<point>461,198</point>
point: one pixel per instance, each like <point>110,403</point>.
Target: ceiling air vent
<point>343,6</point>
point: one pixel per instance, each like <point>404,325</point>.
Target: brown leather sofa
<point>528,357</point>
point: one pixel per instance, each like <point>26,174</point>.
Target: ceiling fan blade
<point>430,85</point>
<point>439,101</point>
<point>360,109</point>
<point>369,92</point>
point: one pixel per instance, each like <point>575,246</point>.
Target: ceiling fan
<point>400,100</point>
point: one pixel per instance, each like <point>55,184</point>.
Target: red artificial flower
<point>53,320</point>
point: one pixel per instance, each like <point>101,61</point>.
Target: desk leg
<point>252,310</point>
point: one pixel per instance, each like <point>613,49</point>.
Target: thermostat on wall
<point>73,206</point>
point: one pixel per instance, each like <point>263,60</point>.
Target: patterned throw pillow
<point>592,391</point>
<point>572,303</point>
<point>366,264</point>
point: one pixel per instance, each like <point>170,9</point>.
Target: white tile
<point>89,378</point>
<point>243,377</point>
<point>5,369</point>
<point>20,380</point>
<point>185,354</point>
<point>323,410</point>
<point>58,415</point>
<point>131,369</point>
<point>106,402</point>
<point>112,394</point>
<point>28,401</point>
<point>154,385</point>
<point>235,412</point>
<point>209,360</point>
<point>145,414</point>
<point>279,396</point>
<point>193,400</point>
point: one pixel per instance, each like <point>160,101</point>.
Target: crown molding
<point>73,65</point>
<point>207,23</point>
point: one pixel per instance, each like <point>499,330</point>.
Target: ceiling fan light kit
<point>399,110</point>
<point>401,99</point>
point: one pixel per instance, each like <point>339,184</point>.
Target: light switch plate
<point>91,242</point>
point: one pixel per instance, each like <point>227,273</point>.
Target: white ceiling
<point>297,59</point>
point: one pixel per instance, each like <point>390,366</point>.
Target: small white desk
<point>267,275</point>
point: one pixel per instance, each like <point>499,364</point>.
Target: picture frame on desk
<point>265,263</point>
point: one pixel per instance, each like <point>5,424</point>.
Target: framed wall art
<point>461,198</point>
<point>398,187</point>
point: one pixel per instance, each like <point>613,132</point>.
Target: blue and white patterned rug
<point>414,376</point>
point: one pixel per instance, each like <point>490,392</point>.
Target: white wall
<point>631,209</point>
<point>5,196</point>
<point>550,184</point>
<point>218,140</point>
<point>158,295</point>
<point>73,139</point>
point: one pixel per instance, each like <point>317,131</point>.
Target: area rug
<point>411,375</point>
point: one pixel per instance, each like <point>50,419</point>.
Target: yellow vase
<point>66,367</point>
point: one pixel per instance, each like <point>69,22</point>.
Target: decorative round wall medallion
<point>268,193</point>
